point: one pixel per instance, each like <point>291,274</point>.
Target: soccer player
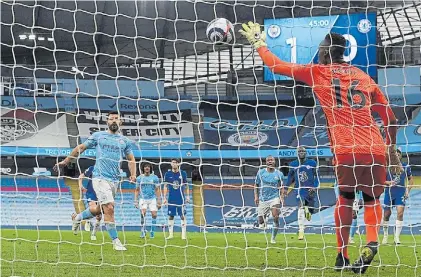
<point>267,195</point>
<point>174,182</point>
<point>303,172</point>
<point>395,196</point>
<point>150,196</point>
<point>347,96</point>
<point>111,147</point>
<point>92,201</point>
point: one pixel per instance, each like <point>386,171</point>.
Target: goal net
<point>66,64</point>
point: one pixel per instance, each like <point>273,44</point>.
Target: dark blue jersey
<point>303,174</point>
<point>175,182</point>
<point>399,188</point>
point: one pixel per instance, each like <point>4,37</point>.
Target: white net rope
<point>67,64</point>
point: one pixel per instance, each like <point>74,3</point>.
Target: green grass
<point>53,253</point>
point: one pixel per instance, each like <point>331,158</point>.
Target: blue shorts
<point>392,200</point>
<point>174,209</point>
<point>306,199</point>
<point>91,196</point>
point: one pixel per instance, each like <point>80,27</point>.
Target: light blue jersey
<point>147,185</point>
<point>269,184</point>
<point>110,151</point>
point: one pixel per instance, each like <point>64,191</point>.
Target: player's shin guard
<point>301,219</point>
<point>275,228</point>
<point>184,228</point>
<point>343,220</point>
<point>171,227</point>
<point>153,224</point>
<point>354,227</point>
<point>399,226</point>
<point>86,214</point>
<point>142,221</point>
<point>112,230</point>
<point>372,219</point>
<point>96,227</point>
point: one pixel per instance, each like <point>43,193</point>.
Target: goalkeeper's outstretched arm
<point>257,39</point>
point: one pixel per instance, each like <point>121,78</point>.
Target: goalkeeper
<point>347,96</point>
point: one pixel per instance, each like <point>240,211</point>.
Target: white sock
<point>96,227</point>
<point>171,226</point>
<point>301,219</point>
<point>385,228</point>
<point>399,226</point>
<point>183,227</point>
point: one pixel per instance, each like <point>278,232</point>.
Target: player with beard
<point>111,148</point>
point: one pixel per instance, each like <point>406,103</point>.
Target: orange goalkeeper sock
<point>343,220</point>
<point>372,219</point>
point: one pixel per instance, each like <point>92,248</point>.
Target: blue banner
<point>297,40</point>
<point>93,103</point>
<point>235,207</point>
<point>246,127</point>
<point>183,153</point>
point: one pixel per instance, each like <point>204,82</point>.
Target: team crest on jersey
<point>121,141</point>
<point>176,185</point>
<point>302,176</point>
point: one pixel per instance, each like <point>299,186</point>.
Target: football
<point>220,30</point>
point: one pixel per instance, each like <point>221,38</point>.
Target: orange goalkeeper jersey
<point>347,96</point>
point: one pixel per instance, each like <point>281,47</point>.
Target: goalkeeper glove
<point>254,35</point>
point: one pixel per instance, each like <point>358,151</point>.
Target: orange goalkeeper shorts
<point>364,172</point>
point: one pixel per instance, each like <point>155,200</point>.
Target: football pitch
<point>54,253</point>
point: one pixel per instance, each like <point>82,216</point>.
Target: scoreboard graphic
<point>297,39</point>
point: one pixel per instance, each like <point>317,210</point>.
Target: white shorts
<point>264,207</point>
<point>105,190</point>
<point>146,204</point>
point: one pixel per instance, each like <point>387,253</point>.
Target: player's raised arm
<point>382,108</point>
<point>257,39</point>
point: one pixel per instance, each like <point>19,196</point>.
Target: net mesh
<point>66,64</point>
